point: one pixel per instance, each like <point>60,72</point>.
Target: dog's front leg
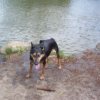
<point>43,70</point>
<point>30,70</point>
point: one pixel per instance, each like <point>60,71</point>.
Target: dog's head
<point>37,53</point>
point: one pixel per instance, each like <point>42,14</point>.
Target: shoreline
<point>77,55</point>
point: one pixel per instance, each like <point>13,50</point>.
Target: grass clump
<point>50,62</point>
<point>71,56</point>
<point>62,54</point>
<point>10,50</point>
<point>52,53</point>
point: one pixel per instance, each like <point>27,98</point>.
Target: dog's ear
<point>32,45</point>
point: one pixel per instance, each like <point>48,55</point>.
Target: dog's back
<point>49,45</point>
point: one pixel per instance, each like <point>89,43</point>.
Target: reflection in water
<point>75,24</point>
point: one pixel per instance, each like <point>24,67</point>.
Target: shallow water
<point>74,24</point>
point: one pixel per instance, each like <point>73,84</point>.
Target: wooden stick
<point>45,89</point>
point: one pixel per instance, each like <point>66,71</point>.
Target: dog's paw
<point>28,75</point>
<point>42,77</point>
<point>59,67</point>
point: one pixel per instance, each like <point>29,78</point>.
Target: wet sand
<point>79,78</point>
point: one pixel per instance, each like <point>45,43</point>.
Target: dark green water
<point>74,24</point>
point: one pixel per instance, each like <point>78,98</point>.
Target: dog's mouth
<point>37,66</point>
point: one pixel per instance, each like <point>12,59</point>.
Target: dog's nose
<point>36,63</point>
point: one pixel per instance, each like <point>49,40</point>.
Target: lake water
<point>74,24</point>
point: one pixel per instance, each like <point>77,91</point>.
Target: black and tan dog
<point>39,54</point>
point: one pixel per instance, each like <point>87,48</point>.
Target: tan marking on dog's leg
<point>59,63</point>
<point>47,63</point>
<point>43,70</point>
<point>30,70</point>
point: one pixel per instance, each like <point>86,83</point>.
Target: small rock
<point>98,46</point>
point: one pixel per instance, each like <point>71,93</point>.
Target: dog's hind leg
<point>58,57</point>
<point>43,70</point>
<point>59,63</point>
<point>46,63</point>
<point>30,70</point>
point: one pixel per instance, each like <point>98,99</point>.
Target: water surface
<point>74,24</point>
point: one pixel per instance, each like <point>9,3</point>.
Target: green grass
<point>52,53</point>
<point>50,62</point>
<point>10,50</point>
<point>71,56</point>
<point>62,54</point>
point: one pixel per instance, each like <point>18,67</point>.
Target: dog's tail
<point>41,41</point>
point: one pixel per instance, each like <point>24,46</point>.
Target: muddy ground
<point>79,79</point>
